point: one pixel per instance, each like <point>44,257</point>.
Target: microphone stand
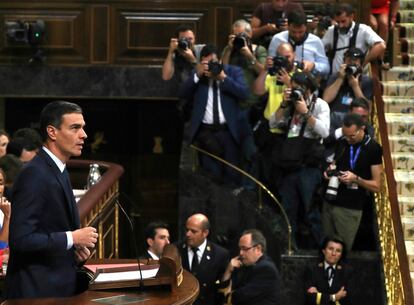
<point>141,282</point>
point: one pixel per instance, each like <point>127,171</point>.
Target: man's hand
<point>283,76</point>
<point>82,254</point>
<point>85,237</point>
<point>188,55</point>
<point>271,28</point>
<point>340,294</point>
<point>308,66</point>
<point>230,41</point>
<point>5,207</point>
<point>173,44</point>
<point>353,81</point>
<point>202,69</point>
<point>312,290</point>
<point>221,76</point>
<point>347,177</point>
<point>341,72</point>
<point>301,106</point>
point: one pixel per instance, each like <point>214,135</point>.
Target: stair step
<point>400,124</point>
<point>403,161</point>
<point>406,204</point>
<point>405,182</point>
<point>409,246</point>
<point>401,143</point>
<point>408,228</point>
<point>406,16</point>
<point>394,104</point>
<point>406,5</point>
<point>405,73</point>
<point>399,88</point>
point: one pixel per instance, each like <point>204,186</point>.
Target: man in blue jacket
<point>217,123</point>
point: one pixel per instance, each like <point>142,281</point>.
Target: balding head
<point>286,50</point>
<point>197,230</point>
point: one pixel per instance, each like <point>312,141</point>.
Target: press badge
<point>346,100</point>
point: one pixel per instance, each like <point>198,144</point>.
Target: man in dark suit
<point>157,237</point>
<point>46,244</point>
<point>204,259</point>
<point>254,278</point>
<point>329,281</point>
<point>217,123</point>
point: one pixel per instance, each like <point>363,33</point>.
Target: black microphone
<point>141,281</point>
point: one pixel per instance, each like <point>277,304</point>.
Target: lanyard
<point>352,158</point>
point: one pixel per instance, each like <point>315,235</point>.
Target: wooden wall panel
<point>65,40</point>
<point>223,19</point>
<point>100,34</point>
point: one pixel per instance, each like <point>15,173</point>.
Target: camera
<point>325,23</point>
<point>296,94</point>
<point>280,22</point>
<point>240,41</point>
<point>183,43</point>
<point>333,184</point>
<point>215,67</point>
<point>299,65</point>
<point>352,70</point>
<point>279,62</point>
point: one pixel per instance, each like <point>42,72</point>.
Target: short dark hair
<point>305,79</point>
<point>353,119</point>
<point>346,8</point>
<point>355,53</point>
<point>11,165</point>
<point>335,239</point>
<point>151,229</point>
<point>208,49</point>
<point>296,18</point>
<point>257,238</point>
<point>183,28</point>
<point>52,115</point>
<point>27,138</point>
<point>360,102</point>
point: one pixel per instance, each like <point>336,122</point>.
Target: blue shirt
<point>311,50</point>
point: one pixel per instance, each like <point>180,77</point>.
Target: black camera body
<point>296,94</point>
<point>352,70</point>
<point>241,40</point>
<point>215,67</point>
<point>279,62</point>
<point>183,43</point>
<point>280,22</point>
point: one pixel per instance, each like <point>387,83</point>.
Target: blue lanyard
<point>352,158</point>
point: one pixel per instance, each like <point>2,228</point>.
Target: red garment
<point>380,7</point>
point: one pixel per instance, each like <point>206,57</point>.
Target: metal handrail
<point>262,186</point>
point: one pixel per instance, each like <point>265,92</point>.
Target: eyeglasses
<point>245,249</point>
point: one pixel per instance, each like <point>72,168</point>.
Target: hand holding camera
<point>281,24</point>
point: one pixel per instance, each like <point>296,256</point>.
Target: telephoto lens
<point>332,190</point>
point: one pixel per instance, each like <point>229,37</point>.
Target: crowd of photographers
<point>289,103</point>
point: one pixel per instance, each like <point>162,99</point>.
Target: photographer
<point>215,124</point>
<point>348,84</point>
<point>301,153</point>
<point>308,48</point>
<point>272,81</point>
<point>357,167</point>
<point>183,54</point>
<point>323,18</point>
<point>269,18</point>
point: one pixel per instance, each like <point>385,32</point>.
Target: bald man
<point>206,260</point>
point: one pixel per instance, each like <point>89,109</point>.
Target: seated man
<point>269,18</point>
<point>25,144</point>
<point>157,237</point>
<point>308,47</point>
<point>329,281</point>
<point>215,91</point>
<point>254,278</point>
<point>349,83</point>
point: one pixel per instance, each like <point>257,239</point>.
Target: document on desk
<point>104,277</point>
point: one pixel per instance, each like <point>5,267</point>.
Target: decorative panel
<point>144,35</point>
<point>65,38</point>
<point>100,34</point>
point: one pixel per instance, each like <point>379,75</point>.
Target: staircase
<point>398,96</point>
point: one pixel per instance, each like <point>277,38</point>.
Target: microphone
<point>141,281</point>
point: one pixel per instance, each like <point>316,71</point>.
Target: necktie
<point>194,262</point>
<point>72,202</point>
<point>216,119</point>
<point>330,274</point>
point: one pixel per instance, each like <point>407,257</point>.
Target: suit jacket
<point>232,89</point>
<point>259,284</point>
<point>316,277</point>
<point>43,210</point>
<point>210,270</point>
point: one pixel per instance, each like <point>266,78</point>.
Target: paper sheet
<point>127,275</point>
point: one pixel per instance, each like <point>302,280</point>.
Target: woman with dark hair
<point>5,211</point>
<point>4,140</point>
<point>329,281</point>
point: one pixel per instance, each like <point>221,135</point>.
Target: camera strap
<point>310,107</point>
<point>352,43</point>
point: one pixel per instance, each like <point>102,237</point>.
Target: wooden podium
<point>171,285</point>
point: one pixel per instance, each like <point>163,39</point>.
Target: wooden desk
<point>185,294</point>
